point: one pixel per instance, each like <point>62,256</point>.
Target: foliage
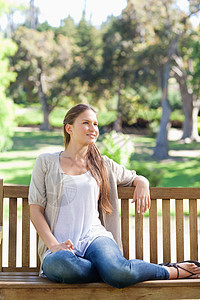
<point>154,175</point>
<point>117,146</point>
<point>192,59</point>
<point>6,122</point>
<point>7,47</point>
<point>40,64</point>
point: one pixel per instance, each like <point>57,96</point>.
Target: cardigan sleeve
<point>123,176</point>
<point>37,189</point>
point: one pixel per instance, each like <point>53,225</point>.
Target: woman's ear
<point>68,128</point>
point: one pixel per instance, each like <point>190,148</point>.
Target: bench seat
<point>16,285</point>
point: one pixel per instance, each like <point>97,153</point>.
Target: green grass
<point>178,171</point>
<point>16,165</point>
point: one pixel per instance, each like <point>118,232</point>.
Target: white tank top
<point>78,218</point>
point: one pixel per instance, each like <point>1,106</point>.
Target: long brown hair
<point>95,163</point>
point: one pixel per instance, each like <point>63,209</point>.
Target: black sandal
<point>177,266</point>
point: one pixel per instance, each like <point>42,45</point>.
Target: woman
<point>74,208</point>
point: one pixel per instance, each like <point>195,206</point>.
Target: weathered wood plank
<point>20,191</point>
<point>125,226</point>
<point>12,232</point>
<point>138,234</point>
<point>193,229</point>
<point>19,269</point>
<point>163,193</point>
<point>145,290</point>
<point>166,231</point>
<point>153,232</point>
<point>1,221</point>
<point>25,233</point>
<point>15,191</point>
<point>179,230</point>
<point>37,255</point>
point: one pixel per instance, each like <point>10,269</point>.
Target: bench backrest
<point>17,219</point>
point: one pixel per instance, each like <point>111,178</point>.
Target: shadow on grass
<point>176,145</point>
<point>23,141</point>
<point>14,159</point>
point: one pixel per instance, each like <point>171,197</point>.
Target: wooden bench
<point>22,281</point>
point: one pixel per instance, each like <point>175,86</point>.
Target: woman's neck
<point>75,153</point>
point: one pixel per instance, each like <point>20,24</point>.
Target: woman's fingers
<point>143,204</point>
<point>69,243</point>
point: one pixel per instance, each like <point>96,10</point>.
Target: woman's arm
<point>42,228</point>
<point>141,194</point>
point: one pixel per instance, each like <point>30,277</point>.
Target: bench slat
<point>179,230</point>
<point>138,234</point>
<point>15,191</point>
<point>153,232</point>
<point>25,233</point>
<point>12,232</point>
<point>163,193</point>
<point>21,191</point>
<point>125,226</point>
<point>20,269</point>
<point>1,221</point>
<point>166,231</point>
<point>193,229</point>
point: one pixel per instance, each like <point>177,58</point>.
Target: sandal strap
<point>177,266</point>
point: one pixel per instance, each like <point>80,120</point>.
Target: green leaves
<point>7,47</point>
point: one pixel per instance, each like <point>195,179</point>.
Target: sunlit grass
<point>16,165</point>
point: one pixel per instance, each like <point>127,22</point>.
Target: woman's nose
<point>92,127</point>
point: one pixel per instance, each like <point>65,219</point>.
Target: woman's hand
<point>68,246</point>
<point>141,194</point>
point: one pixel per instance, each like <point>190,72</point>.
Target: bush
<point>117,146</point>
<point>154,175</point>
<point>6,122</point>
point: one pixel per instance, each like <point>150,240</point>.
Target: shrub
<point>154,175</point>
<point>6,122</point>
<point>117,146</point>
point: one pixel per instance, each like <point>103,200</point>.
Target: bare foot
<point>189,269</point>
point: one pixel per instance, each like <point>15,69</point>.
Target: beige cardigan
<point>46,190</point>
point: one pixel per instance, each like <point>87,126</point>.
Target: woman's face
<point>84,130</point>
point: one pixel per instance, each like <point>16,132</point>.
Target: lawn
<point>17,164</point>
<point>178,171</point>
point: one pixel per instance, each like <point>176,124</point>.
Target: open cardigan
<point>46,190</point>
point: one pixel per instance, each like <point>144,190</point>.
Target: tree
<point>187,73</point>
<point>40,63</point>
<point>7,48</point>
<point>167,24</point>
<point>118,71</point>
<point>84,72</point>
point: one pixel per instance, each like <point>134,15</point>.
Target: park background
<point>140,69</point>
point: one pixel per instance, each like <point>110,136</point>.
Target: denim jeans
<point>103,261</point>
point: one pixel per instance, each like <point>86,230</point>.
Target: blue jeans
<point>103,261</point>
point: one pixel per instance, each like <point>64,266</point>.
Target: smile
<point>91,135</point>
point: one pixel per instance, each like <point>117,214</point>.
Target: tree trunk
<point>190,107</point>
<point>45,125</point>
<point>161,149</point>
<point>43,100</point>
<point>118,123</point>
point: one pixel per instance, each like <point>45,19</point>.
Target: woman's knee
<point>120,276</point>
<point>62,266</point>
